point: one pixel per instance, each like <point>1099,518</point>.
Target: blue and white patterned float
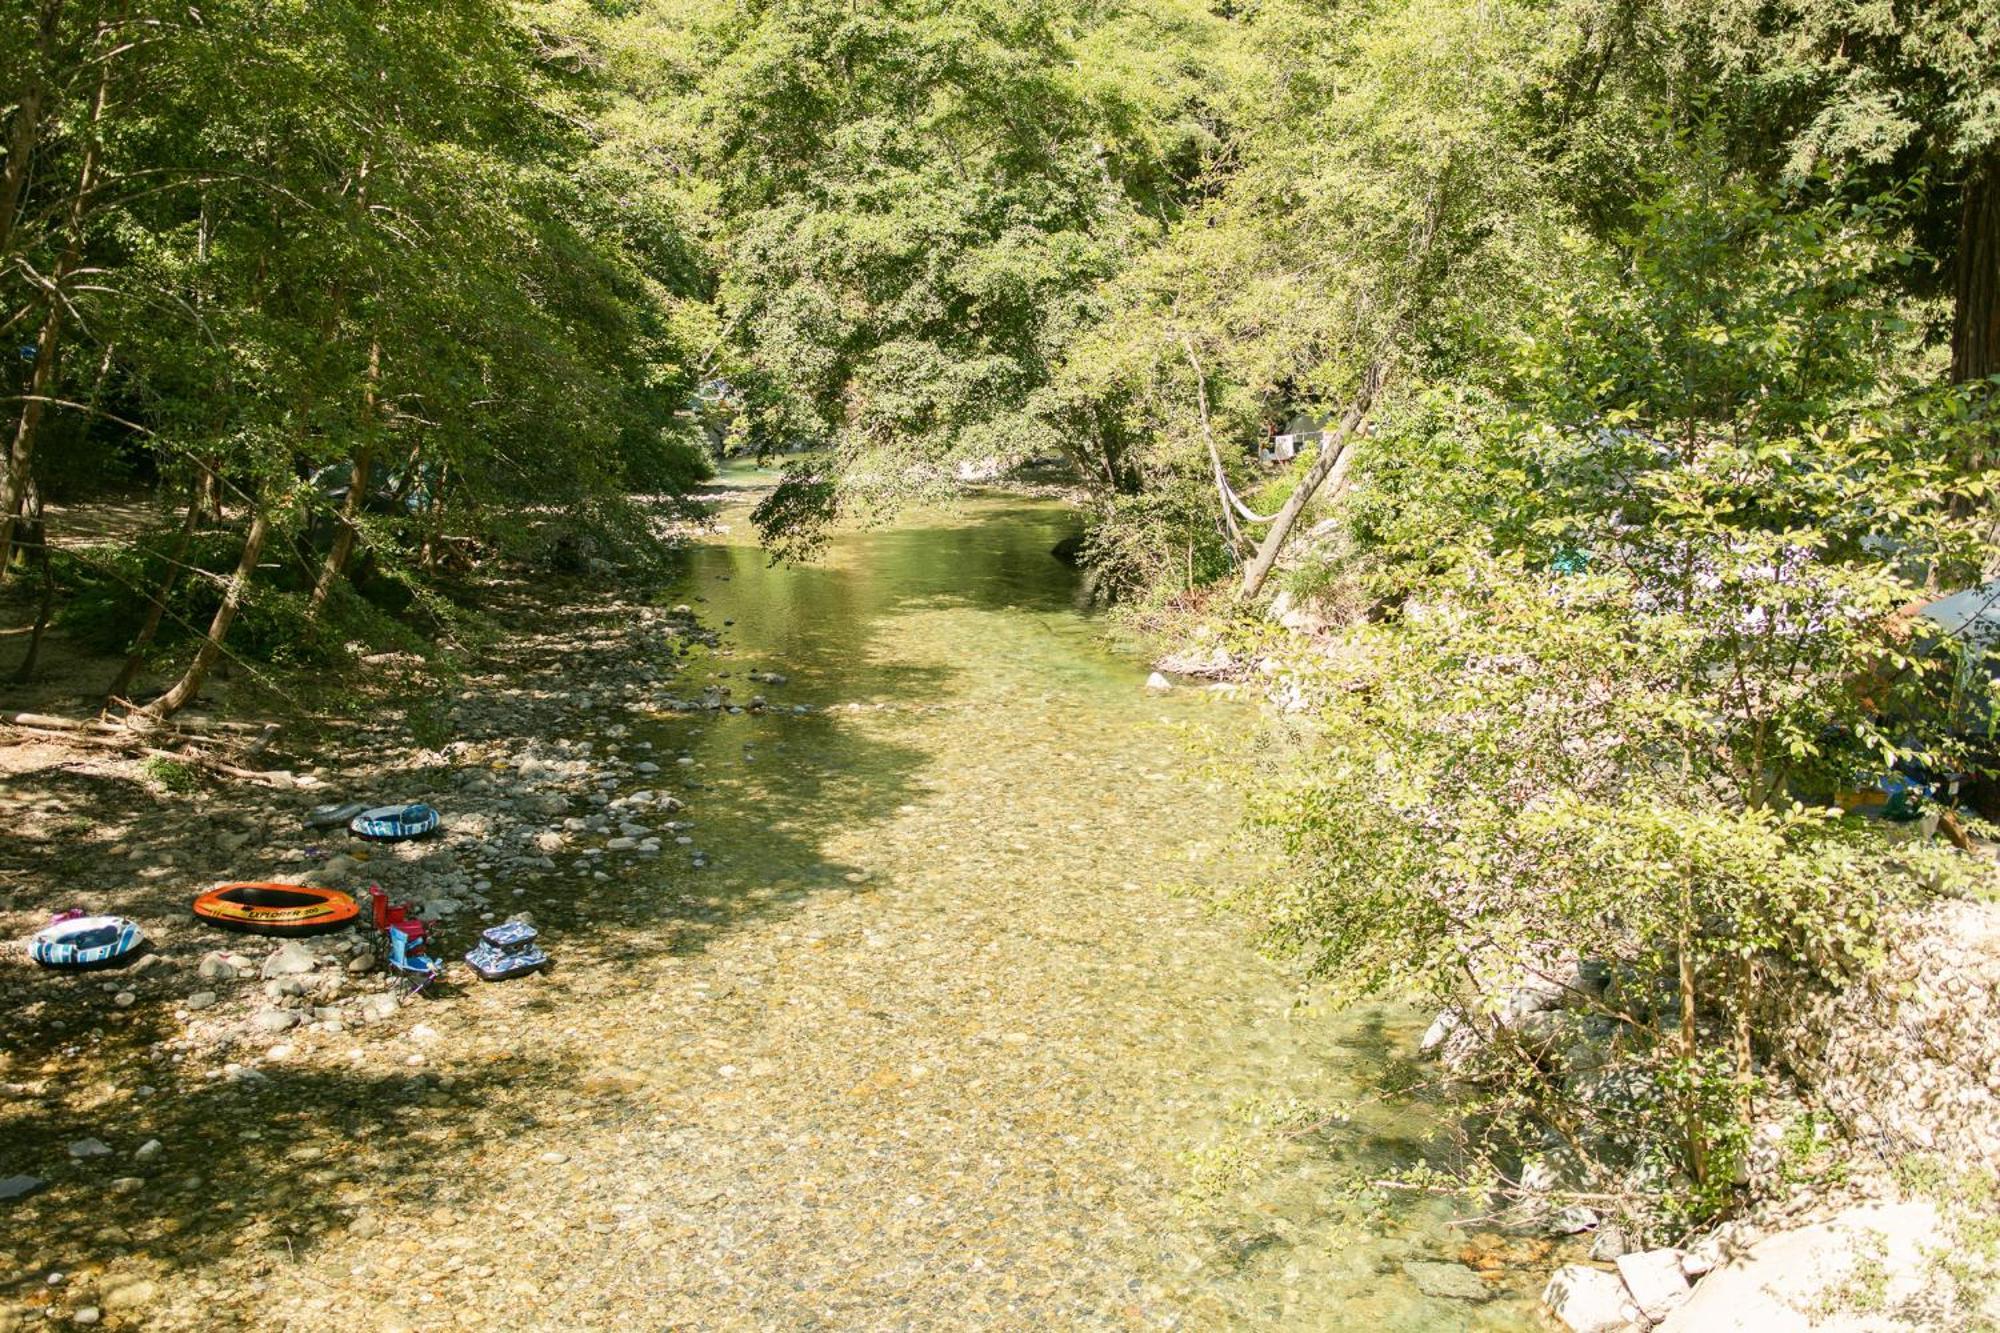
<point>395,823</point>
<point>85,941</point>
<point>506,950</point>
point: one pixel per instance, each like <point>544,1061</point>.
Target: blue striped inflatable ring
<point>394,823</point>
<point>86,942</point>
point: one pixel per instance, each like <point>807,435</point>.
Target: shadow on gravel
<point>273,1162</point>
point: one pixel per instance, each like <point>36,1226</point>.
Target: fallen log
<point>130,742</point>
<point>262,733</point>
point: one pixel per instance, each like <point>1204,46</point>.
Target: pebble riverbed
<point>897,1001</point>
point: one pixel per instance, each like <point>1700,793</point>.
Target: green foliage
<point>170,774</point>
<point>1630,757</point>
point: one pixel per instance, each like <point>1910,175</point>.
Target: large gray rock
<point>1586,1300</point>
<point>224,965</point>
<point>1801,1281</point>
<point>1450,1039</point>
<point>275,1020</point>
<point>1655,1280</point>
<point>287,960</point>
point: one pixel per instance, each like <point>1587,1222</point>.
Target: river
<point>1036,1076</point>
<point>924,1016</point>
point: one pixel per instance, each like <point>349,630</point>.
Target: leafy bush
<point>1624,758</point>
<point>170,774</point>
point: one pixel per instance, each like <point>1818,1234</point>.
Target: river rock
<point>129,1295</point>
<point>275,1020</point>
<point>1156,681</point>
<point>15,1187</point>
<point>1445,1281</point>
<point>1609,1243</point>
<point>223,965</point>
<point>289,959</point>
<point>1776,1281</point>
<point>377,1008</point>
<point>1586,1300</point>
<point>83,1148</point>
<point>201,999</point>
<point>1449,1040</point>
<point>1655,1281</point>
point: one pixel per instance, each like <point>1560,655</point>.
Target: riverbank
<point>1870,1130</point>
<point>918,1017</point>
<point>161,1115</point>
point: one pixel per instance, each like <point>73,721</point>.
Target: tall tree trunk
<point>357,491</point>
<point>20,458</point>
<point>26,129</point>
<point>135,659</point>
<point>1975,335</point>
<point>1335,456</point>
<point>196,675</point>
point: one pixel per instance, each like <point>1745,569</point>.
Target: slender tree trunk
<point>1697,1136</point>
<point>1229,524</point>
<point>36,546</point>
<point>191,681</point>
<point>357,491</point>
<point>26,671</point>
<point>208,494</point>
<point>135,659</point>
<point>20,458</point>
<point>1335,455</point>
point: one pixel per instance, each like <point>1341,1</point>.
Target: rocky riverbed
<point>887,994</point>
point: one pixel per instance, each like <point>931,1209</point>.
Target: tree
<point>1635,598</point>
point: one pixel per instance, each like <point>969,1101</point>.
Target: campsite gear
<point>77,943</point>
<point>506,950</point>
<point>334,816</point>
<point>1900,796</point>
<point>394,823</point>
<point>276,909</point>
<point>406,939</point>
<point>409,952</point>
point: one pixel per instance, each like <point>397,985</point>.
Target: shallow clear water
<point>958,916</point>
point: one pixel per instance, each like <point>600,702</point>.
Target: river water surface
<point>979,1051</point>
<point>924,1015</point>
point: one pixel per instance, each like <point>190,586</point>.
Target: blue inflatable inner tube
<point>86,942</point>
<point>394,823</point>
